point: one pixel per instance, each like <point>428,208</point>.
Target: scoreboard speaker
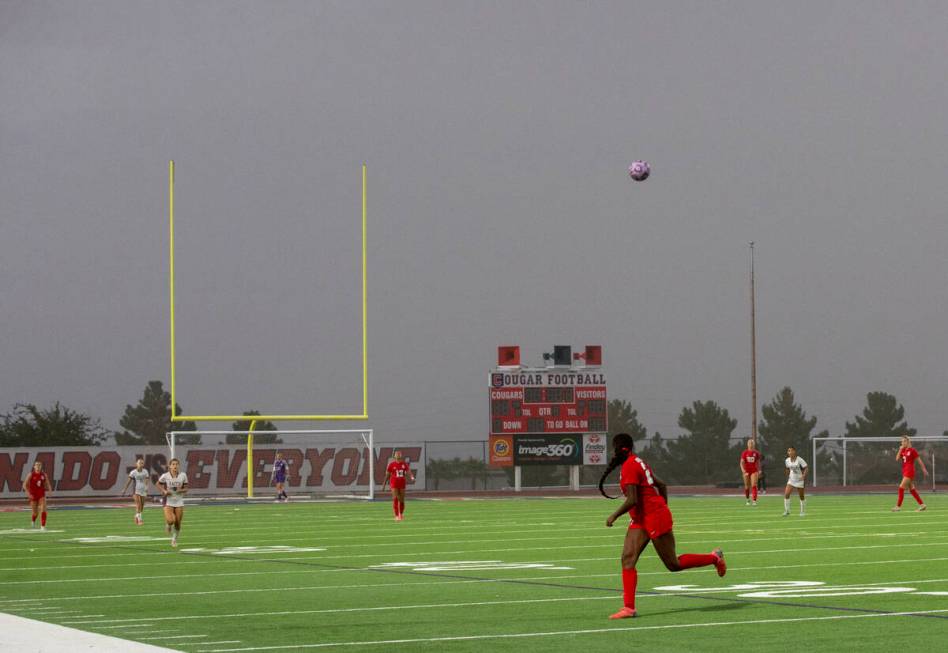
<point>508,355</point>
<point>562,355</point>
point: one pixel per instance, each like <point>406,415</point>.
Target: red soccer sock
<point>689,560</point>
<point>754,493</point>
<point>401,507</point>
<point>395,507</point>
<point>630,578</point>
<point>43,517</point>
<point>915,496</point>
<point>901,496</point>
<point>34,518</point>
<point>747,493</point>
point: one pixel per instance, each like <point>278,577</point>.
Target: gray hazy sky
<point>497,136</point>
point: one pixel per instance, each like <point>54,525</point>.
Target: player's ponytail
<point>622,446</point>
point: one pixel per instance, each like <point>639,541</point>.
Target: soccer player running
<point>796,470</point>
<point>140,476</point>
<point>750,470</point>
<point>646,501</point>
<point>907,455</point>
<point>397,471</point>
<point>278,477</point>
<point>173,485</point>
<point>36,486</point>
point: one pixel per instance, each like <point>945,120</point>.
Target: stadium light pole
<point>753,317</point>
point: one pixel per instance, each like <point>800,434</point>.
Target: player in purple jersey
<point>278,477</point>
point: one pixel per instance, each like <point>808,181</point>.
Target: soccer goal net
<point>319,463</point>
<point>871,461</point>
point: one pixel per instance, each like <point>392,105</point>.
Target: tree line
<point>145,423</point>
<point>707,450</point>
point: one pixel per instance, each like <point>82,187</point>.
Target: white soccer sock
<point>786,505</point>
<point>802,506</point>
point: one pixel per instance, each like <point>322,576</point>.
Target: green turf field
<point>496,575</point>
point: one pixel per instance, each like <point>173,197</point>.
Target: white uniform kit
<point>141,481</point>
<point>173,484</point>
<point>796,468</point>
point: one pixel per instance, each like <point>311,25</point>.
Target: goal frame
<point>889,438</point>
<point>369,442</point>
<point>364,415</point>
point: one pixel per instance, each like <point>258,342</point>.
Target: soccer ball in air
<point>639,170</point>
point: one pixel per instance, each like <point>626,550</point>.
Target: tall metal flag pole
<point>753,350</point>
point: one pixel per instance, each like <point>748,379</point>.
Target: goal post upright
<point>364,415</point>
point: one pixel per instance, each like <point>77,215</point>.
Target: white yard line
<point>405,583</point>
<point>898,545</point>
<point>560,633</point>
<point>235,615</point>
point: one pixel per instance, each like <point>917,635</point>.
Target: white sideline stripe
<point>431,553</point>
<point>176,637</point>
<point>363,609</point>
<point>403,583</point>
<point>588,631</point>
<point>226,641</point>
<point>21,634</point>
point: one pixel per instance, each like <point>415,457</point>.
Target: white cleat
<point>921,508</point>
<point>747,503</point>
<point>786,513</point>
<point>754,503</point>
<point>42,529</point>
<point>896,509</point>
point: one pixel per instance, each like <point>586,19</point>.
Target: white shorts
<point>142,493</point>
<point>796,484</point>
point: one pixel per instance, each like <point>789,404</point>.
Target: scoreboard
<point>547,400</point>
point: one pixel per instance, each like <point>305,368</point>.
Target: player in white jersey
<point>140,476</point>
<point>173,484</point>
<point>796,470</point>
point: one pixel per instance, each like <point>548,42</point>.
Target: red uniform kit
<point>37,485</point>
<point>750,458</point>
<point>909,455</point>
<point>650,513</point>
<point>398,471</point>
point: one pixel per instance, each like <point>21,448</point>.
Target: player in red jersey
<point>750,470</point>
<point>397,471</point>
<point>907,455</point>
<point>36,486</point>
<point>646,501</point>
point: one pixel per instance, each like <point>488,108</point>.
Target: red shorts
<point>398,484</point>
<point>655,521</point>
<point>909,473</point>
<point>37,497</point>
<point>751,470</point>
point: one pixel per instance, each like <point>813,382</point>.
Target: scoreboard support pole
<point>518,477</point>
<point>574,478</point>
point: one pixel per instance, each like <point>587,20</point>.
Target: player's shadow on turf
<point>715,607</point>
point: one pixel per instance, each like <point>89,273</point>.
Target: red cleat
<point>624,613</point>
<point>719,563</point>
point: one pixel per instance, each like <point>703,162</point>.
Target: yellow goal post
<point>364,415</point>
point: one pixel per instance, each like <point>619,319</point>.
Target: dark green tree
<point>785,424</point>
<point>259,434</point>
<point>622,419</point>
<point>29,426</point>
<point>149,420</point>
<point>883,416</point>
<point>704,454</point>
